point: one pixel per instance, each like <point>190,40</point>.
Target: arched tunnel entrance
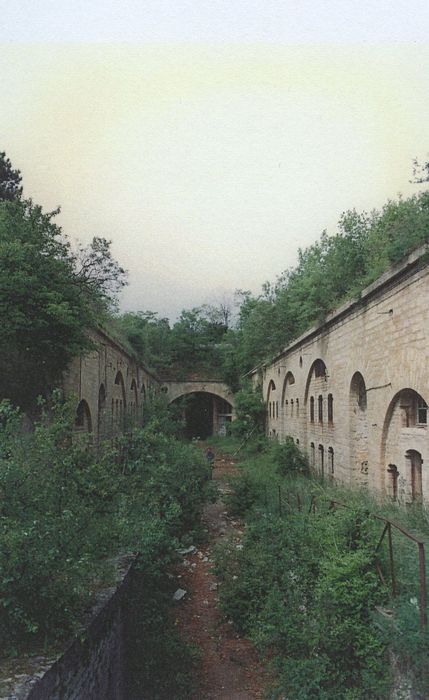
<point>204,414</point>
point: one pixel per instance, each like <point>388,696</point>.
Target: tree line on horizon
<point>51,293</point>
<point>233,337</point>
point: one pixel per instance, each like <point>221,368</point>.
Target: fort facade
<point>352,392</point>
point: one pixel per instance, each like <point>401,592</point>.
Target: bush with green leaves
<point>303,585</point>
<point>288,458</point>
<point>66,507</point>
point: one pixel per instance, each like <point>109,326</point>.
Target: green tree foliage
<point>66,507</point>
<point>303,586</point>
<point>250,412</point>
<point>330,271</point>
<point>192,346</point>
<point>49,297</point>
<point>149,336</point>
<point>10,180</point>
<point>43,308</point>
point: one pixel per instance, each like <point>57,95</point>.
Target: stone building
<point>110,387</point>
<point>352,392</point>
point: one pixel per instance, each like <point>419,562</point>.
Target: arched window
<point>330,408</point>
<point>291,407</point>
<point>392,470</point>
<point>312,409</point>
<point>277,409</point>
<point>321,460</point>
<point>312,455</point>
<point>320,408</point>
<point>297,408</point>
<point>320,369</point>
<point>331,461</point>
<point>83,420</point>
<point>414,467</point>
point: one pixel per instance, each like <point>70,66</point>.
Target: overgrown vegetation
<point>229,340</point>
<point>304,587</point>
<point>50,294</point>
<point>66,508</point>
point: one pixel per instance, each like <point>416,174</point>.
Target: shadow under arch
<point>289,380</point>
<point>317,370</point>
<point>358,428</point>
<point>406,414</point>
<point>83,420</point>
<point>203,413</point>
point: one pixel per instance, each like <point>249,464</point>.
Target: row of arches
<point>381,442</point>
<point>113,411</point>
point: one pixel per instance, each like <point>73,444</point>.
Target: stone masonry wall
<point>93,666</point>
<point>109,385</point>
<point>353,392</point>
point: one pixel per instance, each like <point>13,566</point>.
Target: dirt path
<point>229,668</point>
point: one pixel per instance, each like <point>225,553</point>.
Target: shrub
<point>288,458</point>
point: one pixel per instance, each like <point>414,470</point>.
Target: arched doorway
<point>204,414</point>
<point>413,465</point>
<point>358,429</point>
<point>83,421</point>
<point>101,412</point>
<point>404,447</point>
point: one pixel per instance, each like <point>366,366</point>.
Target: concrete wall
<point>367,366</point>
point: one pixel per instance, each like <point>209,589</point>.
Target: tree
<point>99,272</point>
<point>10,179</point>
<point>149,336</point>
<point>420,172</point>
<point>47,300</point>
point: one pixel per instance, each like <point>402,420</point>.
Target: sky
<point>209,140</point>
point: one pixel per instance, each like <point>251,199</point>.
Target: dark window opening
<point>330,408</point>
<point>320,408</point>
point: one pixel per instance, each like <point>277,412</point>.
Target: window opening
<point>330,408</point>
<point>331,461</point>
<point>320,402</point>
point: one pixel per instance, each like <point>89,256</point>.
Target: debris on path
<point>228,668</point>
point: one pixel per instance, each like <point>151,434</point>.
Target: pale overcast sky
<point>209,140</point>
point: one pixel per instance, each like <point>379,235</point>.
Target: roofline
<point>117,344</point>
<point>394,273</point>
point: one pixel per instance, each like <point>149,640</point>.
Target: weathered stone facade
<point>353,391</point>
<point>109,385</point>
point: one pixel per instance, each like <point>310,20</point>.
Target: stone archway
<point>215,399</point>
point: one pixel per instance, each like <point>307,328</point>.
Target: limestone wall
<point>109,386</point>
<point>353,391</point>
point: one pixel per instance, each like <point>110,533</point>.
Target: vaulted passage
<point>204,414</point>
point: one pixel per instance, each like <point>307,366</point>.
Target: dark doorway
<point>198,413</point>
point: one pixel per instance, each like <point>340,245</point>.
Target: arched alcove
<point>101,411</point>
<point>359,430</point>
<point>83,421</point>
<point>404,445</point>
